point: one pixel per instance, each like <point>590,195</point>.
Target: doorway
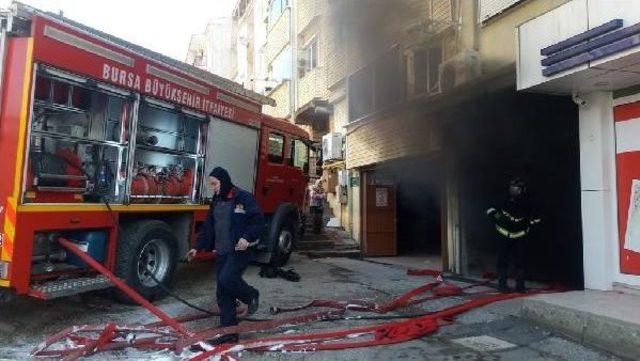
<point>417,184</point>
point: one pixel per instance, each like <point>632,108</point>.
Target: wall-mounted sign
<point>627,122</point>
<point>382,197</point>
<point>599,42</point>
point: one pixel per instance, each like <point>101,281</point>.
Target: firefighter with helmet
<point>513,221</point>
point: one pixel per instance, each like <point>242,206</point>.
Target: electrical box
<point>332,146</point>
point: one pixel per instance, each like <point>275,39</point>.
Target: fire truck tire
<point>146,247</point>
<point>283,234</point>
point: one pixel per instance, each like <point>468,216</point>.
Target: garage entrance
<point>507,134</point>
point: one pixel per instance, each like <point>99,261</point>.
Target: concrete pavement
<point>610,320</point>
<point>495,332</point>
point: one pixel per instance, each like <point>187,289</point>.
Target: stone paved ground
<point>25,322</point>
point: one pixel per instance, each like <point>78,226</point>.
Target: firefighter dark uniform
<point>512,221</point>
<point>234,214</point>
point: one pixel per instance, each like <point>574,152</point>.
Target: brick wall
<point>307,10</point>
<point>334,51</point>
<point>281,95</point>
<point>390,136</point>
<point>312,85</point>
<point>340,115</point>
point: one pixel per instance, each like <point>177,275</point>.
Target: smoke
<point>371,26</point>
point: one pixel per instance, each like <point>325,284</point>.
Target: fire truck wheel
<point>146,248</point>
<point>283,234</point>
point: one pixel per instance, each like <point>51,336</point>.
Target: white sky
<point>164,26</point>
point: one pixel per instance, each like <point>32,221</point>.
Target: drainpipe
<point>293,40</point>
<point>476,26</point>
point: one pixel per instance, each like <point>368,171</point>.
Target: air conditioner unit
<point>460,69</point>
<point>332,146</point>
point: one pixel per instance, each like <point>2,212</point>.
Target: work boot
<point>503,287</point>
<point>254,303</point>
<point>230,338</point>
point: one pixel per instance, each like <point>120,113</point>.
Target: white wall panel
<point>555,26</point>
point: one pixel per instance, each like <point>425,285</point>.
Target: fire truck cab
<point>109,144</point>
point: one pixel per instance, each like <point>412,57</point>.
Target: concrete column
<point>598,189</point>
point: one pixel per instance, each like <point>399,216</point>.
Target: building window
<point>388,80</point>
<point>426,70</point>
<point>276,148</point>
<point>299,155</point>
<point>309,57</point>
<point>377,86</point>
<point>360,90</point>
<point>280,68</point>
<point>276,8</point>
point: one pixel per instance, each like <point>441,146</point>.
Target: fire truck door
<point>234,147</point>
<point>273,186</point>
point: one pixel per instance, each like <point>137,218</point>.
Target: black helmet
<point>517,186</point>
<point>517,182</point>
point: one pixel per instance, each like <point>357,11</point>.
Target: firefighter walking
<point>513,221</point>
<point>233,225</point>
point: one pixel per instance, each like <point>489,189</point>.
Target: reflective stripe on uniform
<point>510,235</point>
<point>512,218</point>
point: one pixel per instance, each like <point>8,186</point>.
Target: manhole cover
<point>484,343</point>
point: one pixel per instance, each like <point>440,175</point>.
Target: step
<point>67,287</point>
<point>308,236</point>
<point>333,254</point>
<point>314,245</point>
<point>606,319</point>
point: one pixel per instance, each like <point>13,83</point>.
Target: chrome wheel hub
<point>153,261</point>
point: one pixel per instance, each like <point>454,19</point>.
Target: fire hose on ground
<point>171,334</point>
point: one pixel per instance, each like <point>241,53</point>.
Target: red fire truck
<point>106,143</point>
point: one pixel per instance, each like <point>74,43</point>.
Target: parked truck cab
<point>108,144</point>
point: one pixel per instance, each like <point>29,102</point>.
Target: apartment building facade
<point>589,51</point>
<point>435,130</point>
<point>212,50</point>
<point>423,93</point>
<point>249,35</point>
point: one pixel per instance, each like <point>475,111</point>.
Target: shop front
<point>590,51</point>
